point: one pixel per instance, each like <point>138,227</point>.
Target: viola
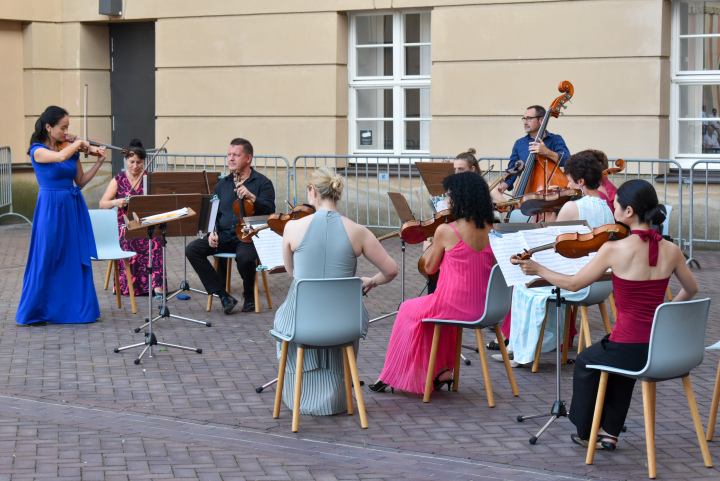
<point>94,144</point>
<point>539,202</point>
<point>421,268</point>
<point>574,245</point>
<point>248,205</point>
<point>276,222</point>
<point>619,167</point>
<point>416,231</point>
<point>539,171</point>
<point>516,169</point>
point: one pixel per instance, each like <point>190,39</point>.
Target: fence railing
<point>274,167</point>
<point>6,183</point>
<point>703,181</point>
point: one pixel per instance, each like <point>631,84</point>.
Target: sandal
<point>437,383</point>
<point>585,443</point>
<point>604,441</point>
<point>494,346</point>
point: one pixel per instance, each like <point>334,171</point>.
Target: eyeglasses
<point>528,119</point>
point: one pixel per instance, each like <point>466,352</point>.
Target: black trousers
<point>197,253</point>
<point>618,395</point>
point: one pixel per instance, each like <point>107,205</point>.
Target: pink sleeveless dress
<point>460,295</point>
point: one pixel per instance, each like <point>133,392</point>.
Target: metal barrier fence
<point>6,183</point>
<point>707,233</point>
<point>274,167</point>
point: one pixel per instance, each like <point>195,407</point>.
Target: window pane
<point>699,17</point>
<point>374,103</point>
<point>417,28</point>
<point>374,62</point>
<point>698,101</point>
<point>699,53</point>
<point>690,137</point>
<point>417,135</point>
<point>417,60</point>
<point>374,29</point>
<point>417,103</point>
<point>374,135</point>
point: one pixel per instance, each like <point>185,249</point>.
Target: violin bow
<point>145,171</point>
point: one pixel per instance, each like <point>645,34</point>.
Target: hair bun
<point>136,143</point>
<point>471,151</point>
<point>656,215</point>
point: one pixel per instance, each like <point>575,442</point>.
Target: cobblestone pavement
<point>71,408</point>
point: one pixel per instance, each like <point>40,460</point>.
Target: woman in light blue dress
<point>58,283</point>
<point>529,305</point>
<point>325,245</point>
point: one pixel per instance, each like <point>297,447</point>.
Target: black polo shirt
<point>259,185</point>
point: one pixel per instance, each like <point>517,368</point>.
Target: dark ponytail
<point>51,116</point>
<point>641,196</point>
<point>136,147</point>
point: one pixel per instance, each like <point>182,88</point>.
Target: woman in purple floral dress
<point>129,183</point>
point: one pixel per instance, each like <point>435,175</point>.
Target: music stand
<point>184,183</point>
<point>433,173</point>
<point>134,228</point>
<point>146,205</point>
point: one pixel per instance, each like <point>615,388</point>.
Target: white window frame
<point>680,78</point>
<point>398,82</point>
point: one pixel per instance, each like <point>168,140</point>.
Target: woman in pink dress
<point>461,250</point>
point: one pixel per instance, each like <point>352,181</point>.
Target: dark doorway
<point>132,86</point>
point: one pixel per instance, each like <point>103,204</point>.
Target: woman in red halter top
<point>642,265</point>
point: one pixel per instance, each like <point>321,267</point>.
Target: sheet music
<point>213,215</point>
<point>510,244</point>
<point>167,216</point>
<point>269,248</point>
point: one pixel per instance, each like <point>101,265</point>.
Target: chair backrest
<point>599,291</point>
<point>517,216</point>
<point>498,298</point>
<point>677,339</point>
<point>105,229</point>
<point>666,223</point>
<point>328,312</point>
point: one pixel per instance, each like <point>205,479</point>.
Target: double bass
<point>540,172</point>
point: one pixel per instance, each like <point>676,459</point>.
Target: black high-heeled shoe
<point>380,386</point>
<point>438,384</point>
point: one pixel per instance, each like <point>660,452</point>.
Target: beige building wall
<point>12,133</point>
<point>276,72</point>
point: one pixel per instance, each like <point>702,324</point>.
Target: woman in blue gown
<point>58,283</point>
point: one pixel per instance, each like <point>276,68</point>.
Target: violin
<point>539,202</point>
<point>248,205</point>
<point>619,167</point>
<point>416,231</point>
<point>421,268</point>
<point>276,222</point>
<point>574,245</point>
<point>94,144</point>
<point>514,170</point>
<point>539,171</point>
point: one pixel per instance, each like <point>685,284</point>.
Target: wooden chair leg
<point>649,411</point>
<point>566,334</point>
<point>484,364</point>
<point>714,406</point>
<point>538,348</point>
<point>210,296</point>
<point>585,325</point>
<point>267,290</point>
<point>431,363</point>
<point>605,318</point>
<point>458,354</point>
<point>256,293</point>
<point>281,379</point>
<point>117,283</point>
<point>356,382</point>
<point>298,389</point>
<point>228,274</point>
<point>506,360</point>
<point>669,294</point>
<point>696,420</point>
<point>611,301</point>
<point>599,402</point>
<point>348,382</point>
<point>131,288</point>
<point>107,276</point>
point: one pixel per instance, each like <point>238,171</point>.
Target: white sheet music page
<point>505,247</point>
<point>213,215</point>
<point>269,248</point>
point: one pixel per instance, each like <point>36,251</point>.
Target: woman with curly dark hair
<point>463,249</point>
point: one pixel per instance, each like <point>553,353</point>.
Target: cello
<point>541,172</point>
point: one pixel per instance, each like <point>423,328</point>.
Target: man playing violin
<point>552,146</point>
<point>243,182</point>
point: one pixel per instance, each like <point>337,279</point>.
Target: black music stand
<point>146,205</point>
<point>185,183</point>
<point>136,227</point>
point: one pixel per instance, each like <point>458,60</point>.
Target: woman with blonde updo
<point>325,245</point>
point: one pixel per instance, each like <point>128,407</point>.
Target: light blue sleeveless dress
<point>529,305</point>
<point>58,283</point>
<point>324,252</point>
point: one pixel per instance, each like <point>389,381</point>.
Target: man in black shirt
<point>243,182</point>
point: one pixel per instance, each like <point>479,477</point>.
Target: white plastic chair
<point>498,299</point>
<point>328,314</point>
<point>107,241</point>
<point>716,397</point>
<point>517,216</point>
<point>673,321</point>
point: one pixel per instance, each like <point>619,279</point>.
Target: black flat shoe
<point>604,441</point>
<point>380,386</point>
<point>438,384</point>
<point>248,305</point>
<point>494,346</point>
<point>228,303</point>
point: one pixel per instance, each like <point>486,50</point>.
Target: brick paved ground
<point>70,408</point>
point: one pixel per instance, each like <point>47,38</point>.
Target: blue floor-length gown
<point>58,283</point>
